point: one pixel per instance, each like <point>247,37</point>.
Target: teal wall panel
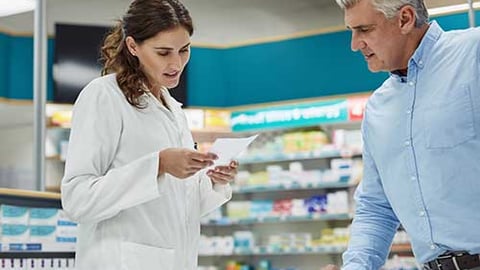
<point>20,72</point>
<point>307,67</point>
<point>301,68</point>
<point>207,71</point>
<point>4,64</point>
<point>314,66</point>
<point>455,21</point>
<point>50,58</point>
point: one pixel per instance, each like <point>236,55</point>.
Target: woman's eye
<point>162,53</point>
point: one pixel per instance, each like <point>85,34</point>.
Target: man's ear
<point>131,45</point>
<point>407,19</point>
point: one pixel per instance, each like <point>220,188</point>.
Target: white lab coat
<point>128,218</point>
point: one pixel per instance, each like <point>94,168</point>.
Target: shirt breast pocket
<point>451,122</point>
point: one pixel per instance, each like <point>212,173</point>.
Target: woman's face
<point>163,56</point>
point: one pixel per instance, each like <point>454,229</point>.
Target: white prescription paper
<point>227,149</point>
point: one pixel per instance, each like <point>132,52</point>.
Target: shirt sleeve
<point>91,190</point>
<point>212,195</point>
<point>478,61</point>
<point>374,224</point>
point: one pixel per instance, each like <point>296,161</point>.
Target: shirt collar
<point>423,51</point>
<point>428,41</point>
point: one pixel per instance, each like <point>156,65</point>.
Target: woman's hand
<point>223,174</point>
<point>183,162</point>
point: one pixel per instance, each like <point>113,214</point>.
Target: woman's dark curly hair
<point>143,20</point>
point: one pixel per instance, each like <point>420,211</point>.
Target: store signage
<point>356,108</point>
<point>288,116</point>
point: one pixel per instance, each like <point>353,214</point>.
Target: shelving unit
<point>320,116</point>
<point>283,219</point>
<point>321,251</point>
<point>27,198</point>
<point>306,257</point>
<point>291,187</point>
<point>324,250</point>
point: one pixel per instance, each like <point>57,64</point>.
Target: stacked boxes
<point>35,225</point>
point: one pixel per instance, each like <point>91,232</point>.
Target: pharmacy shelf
<point>29,198</point>
<point>297,157</point>
<point>37,250</point>
<point>291,187</point>
<point>54,158</point>
<point>282,219</point>
<point>325,249</point>
<point>263,251</point>
<point>37,247</point>
<point>37,255</point>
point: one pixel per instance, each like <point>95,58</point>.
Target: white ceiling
<point>220,22</point>
<point>216,21</point>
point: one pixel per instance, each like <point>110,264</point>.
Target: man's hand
<point>223,174</point>
<point>183,162</point>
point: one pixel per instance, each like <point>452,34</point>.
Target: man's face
<point>379,39</point>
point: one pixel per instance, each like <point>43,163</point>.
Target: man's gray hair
<point>390,8</point>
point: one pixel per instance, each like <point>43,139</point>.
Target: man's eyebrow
<point>361,26</point>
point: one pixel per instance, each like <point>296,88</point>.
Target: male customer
<point>421,134</point>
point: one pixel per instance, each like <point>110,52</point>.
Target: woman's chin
<point>171,84</point>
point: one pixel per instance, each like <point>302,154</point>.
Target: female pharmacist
<point>132,180</point>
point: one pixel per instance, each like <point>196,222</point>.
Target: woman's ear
<point>407,18</point>
<point>131,45</point>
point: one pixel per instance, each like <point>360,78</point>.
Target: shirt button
<point>407,143</point>
<point>420,62</point>
<point>422,213</point>
<point>413,178</point>
<point>433,247</point>
<point>411,83</point>
<point>409,111</point>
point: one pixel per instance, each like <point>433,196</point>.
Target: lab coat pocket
<point>451,122</point>
<point>142,257</point>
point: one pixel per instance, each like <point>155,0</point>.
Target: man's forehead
<point>355,18</point>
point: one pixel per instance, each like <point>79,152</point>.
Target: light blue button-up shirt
<point>422,155</point>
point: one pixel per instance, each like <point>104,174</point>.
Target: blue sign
<point>289,116</point>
